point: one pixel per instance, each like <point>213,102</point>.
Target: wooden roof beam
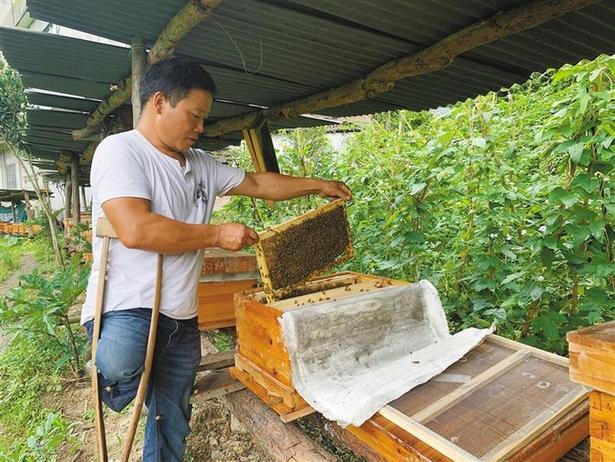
<point>185,20</point>
<point>431,59</point>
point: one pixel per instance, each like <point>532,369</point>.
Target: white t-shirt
<point>128,165</point>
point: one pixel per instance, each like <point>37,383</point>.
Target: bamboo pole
<point>431,59</point>
<point>68,203</point>
<point>191,14</point>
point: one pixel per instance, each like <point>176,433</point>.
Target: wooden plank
<point>217,360</point>
<point>274,402</point>
<point>297,414</point>
<point>288,394</point>
<point>537,425</point>
<point>594,367</point>
<point>215,385</point>
<point>388,442</point>
<point>599,337</point>
<point>536,352</point>
<point>216,307</point>
<point>347,290</point>
<point>557,440</point>
<point>446,402</point>
<point>602,451</point>
<point>220,261</point>
<point>260,338</point>
<point>431,438</point>
<point>602,416</point>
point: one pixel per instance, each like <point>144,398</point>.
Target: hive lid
<point>303,247</point>
<point>600,336</point>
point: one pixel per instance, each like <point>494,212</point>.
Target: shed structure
<point>282,62</point>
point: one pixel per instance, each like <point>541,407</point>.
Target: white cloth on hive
<point>353,356</point>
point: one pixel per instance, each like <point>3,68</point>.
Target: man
<point>158,193</point>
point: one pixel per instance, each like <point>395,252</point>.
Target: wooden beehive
<point>503,401</point>
<point>592,363</point>
<point>224,273</point>
<point>299,249</point>
<point>262,363</point>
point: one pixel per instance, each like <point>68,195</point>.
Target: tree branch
<point>431,59</point>
<point>185,20</point>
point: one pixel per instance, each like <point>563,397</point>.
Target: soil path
<point>26,265</point>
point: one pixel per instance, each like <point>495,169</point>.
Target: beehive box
<point>224,273</point>
<point>262,363</point>
<point>592,363</point>
<point>503,401</point>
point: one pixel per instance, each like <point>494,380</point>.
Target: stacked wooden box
<point>592,363</point>
<point>224,273</point>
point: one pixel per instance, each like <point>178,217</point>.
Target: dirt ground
<point>216,436</point>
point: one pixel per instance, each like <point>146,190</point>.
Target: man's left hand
<point>335,190</point>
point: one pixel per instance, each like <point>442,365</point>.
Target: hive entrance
<point>291,253</point>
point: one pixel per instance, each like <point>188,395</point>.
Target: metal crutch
<point>105,231</point>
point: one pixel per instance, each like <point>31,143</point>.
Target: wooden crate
<point>592,363</point>
<point>602,426</point>
<point>262,363</point>
<point>592,356</point>
<point>503,401</point>
<point>224,273</point>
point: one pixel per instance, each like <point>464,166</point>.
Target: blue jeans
<point>120,357</point>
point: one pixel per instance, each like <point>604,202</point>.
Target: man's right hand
<point>235,236</point>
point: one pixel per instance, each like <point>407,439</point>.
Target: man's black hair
<point>175,77</point>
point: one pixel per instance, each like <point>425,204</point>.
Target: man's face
<point>179,127</point>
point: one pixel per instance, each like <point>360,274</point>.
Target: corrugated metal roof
<point>313,45</point>
<point>265,52</point>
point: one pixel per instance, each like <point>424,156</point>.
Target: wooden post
<point>14,212</point>
<point>74,174</point>
<point>29,211</point>
<point>260,145</point>
<point>83,198</point>
<point>67,197</point>
<point>139,64</point>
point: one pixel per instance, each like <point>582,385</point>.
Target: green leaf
<point>549,323</point>
<point>536,293</point>
<point>511,277</point>
<point>547,256</point>
<point>568,198</point>
<point>586,182</point>
<point>575,151</point>
<point>598,269</point>
<point>417,188</point>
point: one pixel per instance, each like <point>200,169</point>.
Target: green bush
<point>505,202</point>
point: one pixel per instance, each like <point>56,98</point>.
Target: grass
<point>30,431</point>
<point>10,252</point>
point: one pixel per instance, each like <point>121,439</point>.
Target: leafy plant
<point>504,201</point>
<point>38,308</point>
